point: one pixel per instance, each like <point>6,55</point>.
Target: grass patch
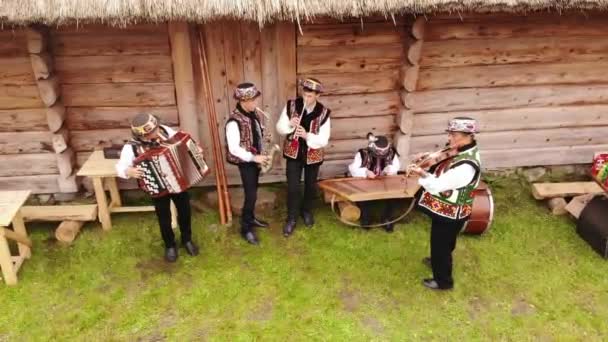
<point>530,277</point>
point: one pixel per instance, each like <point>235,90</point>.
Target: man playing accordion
<point>148,134</point>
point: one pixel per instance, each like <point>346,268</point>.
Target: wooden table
<point>10,213</point>
<point>102,171</point>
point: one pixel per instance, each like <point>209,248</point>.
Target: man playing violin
<point>446,196</point>
<point>377,160</point>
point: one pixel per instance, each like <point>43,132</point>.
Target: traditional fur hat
<point>246,91</point>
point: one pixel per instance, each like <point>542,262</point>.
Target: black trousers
<point>444,233</point>
<point>294,175</point>
<point>387,210</point>
<point>250,175</point>
<point>162,206</point>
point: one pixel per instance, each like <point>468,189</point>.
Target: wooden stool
<point>10,213</point>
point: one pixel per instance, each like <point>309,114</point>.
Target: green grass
<point>529,278</point>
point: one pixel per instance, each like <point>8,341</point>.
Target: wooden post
<point>67,230</point>
<point>102,204</point>
<point>349,211</point>
<point>183,74</point>
<point>19,227</point>
<point>6,262</point>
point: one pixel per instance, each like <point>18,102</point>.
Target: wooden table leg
<point>102,204</point>
<point>6,262</point>
<point>19,227</point>
<point>173,215</point>
<point>114,193</point>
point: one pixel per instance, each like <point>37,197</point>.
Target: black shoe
<point>309,220</point>
<point>191,248</point>
<point>259,223</point>
<point>251,238</point>
<point>171,254</point>
<point>289,228</point>
<point>427,262</point>
<point>389,227</point>
<point>433,285</point>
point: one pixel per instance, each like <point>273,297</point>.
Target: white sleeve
<point>170,131</point>
<point>355,168</point>
<point>455,178</point>
<point>393,168</point>
<point>283,125</point>
<point>322,139</point>
<point>233,135</point>
<point>125,162</point>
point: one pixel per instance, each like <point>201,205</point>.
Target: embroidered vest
<point>453,204</point>
<point>376,164</point>
<point>246,133</point>
<point>291,147</point>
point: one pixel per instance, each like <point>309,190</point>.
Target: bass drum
<point>482,211</point>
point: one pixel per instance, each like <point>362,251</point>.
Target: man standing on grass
<point>447,198</point>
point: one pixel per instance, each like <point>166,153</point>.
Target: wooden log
<point>418,28</point>
<point>25,142</point>
<point>361,105</point>
<point>42,65</point>
<point>577,204</point>
<point>53,213</point>
<point>288,60</point>
<point>512,74</point>
<point>555,190</point>
<point>19,120</point>
<point>61,140</point>
<point>50,90</point>
<point>27,164</point>
<point>13,43</point>
<point>448,100</point>
<point>9,234</point>
<point>557,206</point>
<point>414,52</point>
<point>349,128</point>
<point>104,44</point>
<point>354,35</point>
<point>91,118</point>
<point>114,69</point>
<point>20,96</point>
<point>67,231</point>
<point>513,50</point>
<point>90,140</point>
<point>66,162</point>
<point>334,168</point>
<point>181,54</point>
<point>38,184</point>
<point>349,211</point>
<point>532,138</point>
<point>514,119</point>
<point>55,116</point>
<point>16,70</point>
<point>345,146</point>
<point>402,142</point>
<point>409,77</point>
<point>405,121</point>
<point>358,83</point>
<point>119,94</point>
<point>68,184</point>
<point>37,39</point>
<point>561,155</point>
<point>316,60</point>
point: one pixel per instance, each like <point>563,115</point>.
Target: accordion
<point>599,169</point>
<point>173,166</point>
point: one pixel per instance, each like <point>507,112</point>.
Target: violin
<point>429,159</point>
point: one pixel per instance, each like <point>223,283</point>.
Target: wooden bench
<point>72,218</point>
<point>11,203</point>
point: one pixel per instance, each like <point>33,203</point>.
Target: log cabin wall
<point>537,84</point>
<point>359,65</point>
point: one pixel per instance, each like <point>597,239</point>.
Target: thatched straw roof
<point>124,11</point>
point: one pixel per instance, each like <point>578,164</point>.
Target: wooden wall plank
<point>38,184</point>
<point>287,60</point>
<point>507,97</point>
<point>94,139</point>
<point>233,53</point>
<point>271,103</point>
<point>513,50</point>
<point>535,138</point>
<point>385,103</point>
<point>19,96</point>
<point>354,34</point>
<point>252,53</point>
<point>86,118</point>
<point>349,128</point>
<point>28,164</point>
<point>19,120</point>
<point>91,44</point>
<point>13,43</point>
<point>114,69</point>
<point>119,94</point>
<point>513,119</point>
<point>320,59</point>
<point>358,83</point>
<point>16,70</point>
<point>104,29</point>
<point>26,142</point>
<point>513,74</point>
<point>558,155</point>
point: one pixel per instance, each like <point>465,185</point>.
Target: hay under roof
<point>125,11</point>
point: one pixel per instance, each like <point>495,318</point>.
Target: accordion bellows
<point>172,167</point>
